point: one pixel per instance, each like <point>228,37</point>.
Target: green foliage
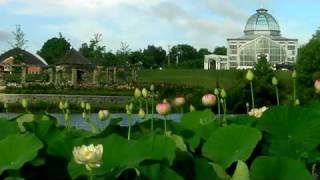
<point>229,144</point>
<point>54,49</point>
<point>241,172</point>
<point>291,131</point>
<point>17,149</point>
<point>308,67</point>
<point>278,168</point>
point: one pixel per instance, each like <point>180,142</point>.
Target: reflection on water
<point>78,121</point>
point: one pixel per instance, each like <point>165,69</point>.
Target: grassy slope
<point>200,77</point>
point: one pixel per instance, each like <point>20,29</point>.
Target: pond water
<point>78,121</point>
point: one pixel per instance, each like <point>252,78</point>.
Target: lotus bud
<point>223,94</point>
<point>179,101</point>
<point>61,105</point>
<point>274,81</point>
<point>152,87</point>
<point>137,93</point>
<point>68,111</point>
<point>317,85</point>
<point>249,75</point>
<point>103,115</point>
<point>66,105</point>
<point>24,103</point>
<point>5,105</point>
<point>88,107</point>
<point>192,108</point>
<point>165,101</point>
<point>90,156</point>
<point>163,108</point>
<point>294,74</point>
<point>83,105</point>
<point>142,114</point>
<point>144,92</point>
<point>209,100</point>
<point>84,115</point>
<point>297,102</point>
<point>131,106</point>
<point>216,91</point>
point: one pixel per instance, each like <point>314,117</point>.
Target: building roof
<point>262,23</point>
<point>252,37</point>
<point>73,57</point>
<point>28,58</point>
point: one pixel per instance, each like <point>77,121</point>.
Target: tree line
<point>151,57</point>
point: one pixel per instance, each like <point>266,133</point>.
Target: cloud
<point>4,36</point>
<point>228,9</point>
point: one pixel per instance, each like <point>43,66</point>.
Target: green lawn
<point>228,78</point>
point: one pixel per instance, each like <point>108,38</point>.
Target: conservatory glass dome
<point>262,23</point>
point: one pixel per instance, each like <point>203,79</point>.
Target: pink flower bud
<point>208,100</point>
<point>163,108</point>
<point>317,85</point>
<point>179,101</point>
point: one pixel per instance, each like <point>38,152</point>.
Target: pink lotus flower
<point>179,101</point>
<point>163,108</point>
<point>209,100</point>
<point>317,85</point>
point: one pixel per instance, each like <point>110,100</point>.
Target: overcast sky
<point>201,23</point>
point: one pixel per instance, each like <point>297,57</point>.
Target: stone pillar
<point>24,74</point>
<point>51,75</point>
<point>58,78</point>
<point>74,77</point>
<point>2,78</point>
<point>95,76</point>
<point>115,75</point>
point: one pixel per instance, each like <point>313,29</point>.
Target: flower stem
<point>147,108</point>
<point>224,123</point>
<point>277,94</point>
<point>252,96</point>
<point>294,91</point>
<point>90,175</point>
<point>165,125</point>
<point>219,113</point>
<point>152,111</point>
<point>129,128</point>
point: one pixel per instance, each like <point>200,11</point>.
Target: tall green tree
<point>308,67</point>
<point>54,49</point>
<point>220,50</point>
<point>94,50</point>
<point>19,39</point>
<point>154,57</point>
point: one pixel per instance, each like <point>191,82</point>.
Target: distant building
<point>262,36</point>
<point>18,57</point>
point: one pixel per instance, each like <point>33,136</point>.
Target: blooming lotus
<point>163,108</point>
<point>90,156</point>
<point>317,85</point>
<point>257,112</point>
<point>208,100</point>
<point>103,114</point>
<point>179,101</point>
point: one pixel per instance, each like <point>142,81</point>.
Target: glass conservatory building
<point>262,36</point>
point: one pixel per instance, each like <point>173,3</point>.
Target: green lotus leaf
<point>278,168</point>
<point>241,172</point>
<point>17,149</point>
<point>230,144</point>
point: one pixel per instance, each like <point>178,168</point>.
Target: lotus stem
<point>147,108</point>
<point>224,123</point>
<point>165,125</point>
<point>294,91</point>
<point>152,111</point>
<point>277,94</point>
<point>219,113</point>
<point>90,175</point>
<point>252,96</point>
<point>129,128</point>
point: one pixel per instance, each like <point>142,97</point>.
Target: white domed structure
<point>262,36</point>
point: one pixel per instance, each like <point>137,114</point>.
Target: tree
<point>184,52</point>
<point>154,56</point>
<point>19,40</point>
<point>94,51</point>
<point>203,51</point>
<point>54,49</point>
<point>220,50</point>
<point>308,67</point>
